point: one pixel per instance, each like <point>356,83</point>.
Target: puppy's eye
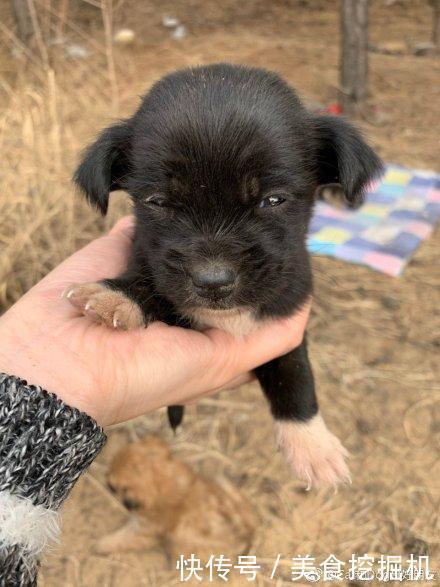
<point>156,200</point>
<point>271,201</point>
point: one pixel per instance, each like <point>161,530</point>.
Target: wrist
<point>34,375</point>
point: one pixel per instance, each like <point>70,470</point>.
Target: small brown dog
<point>175,506</point>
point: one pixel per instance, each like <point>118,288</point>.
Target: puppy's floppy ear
<point>343,157</point>
<point>105,165</point>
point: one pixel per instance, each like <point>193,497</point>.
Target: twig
<point>38,35</point>
<point>107,19</point>
<point>62,18</point>
<point>12,37</point>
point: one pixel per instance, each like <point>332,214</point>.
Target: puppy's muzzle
<point>214,280</point>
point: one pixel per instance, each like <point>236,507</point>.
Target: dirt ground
<point>374,339</point>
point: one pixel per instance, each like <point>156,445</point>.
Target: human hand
<point>115,375</point>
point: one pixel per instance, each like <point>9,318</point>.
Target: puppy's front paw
<point>314,453</point>
<point>109,306</point>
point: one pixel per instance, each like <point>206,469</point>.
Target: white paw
<point>314,453</point>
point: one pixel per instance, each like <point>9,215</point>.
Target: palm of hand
<point>115,375</point>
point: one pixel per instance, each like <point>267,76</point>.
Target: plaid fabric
<point>399,212</point>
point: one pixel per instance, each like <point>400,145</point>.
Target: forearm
<point>44,447</point>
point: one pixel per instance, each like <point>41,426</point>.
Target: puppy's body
<point>222,164</point>
<point>175,506</point>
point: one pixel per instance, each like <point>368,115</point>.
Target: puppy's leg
<point>136,535</point>
<point>314,453</point>
<point>118,303</point>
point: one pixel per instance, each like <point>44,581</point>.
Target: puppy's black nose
<point>214,277</point>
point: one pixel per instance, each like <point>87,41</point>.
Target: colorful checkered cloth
<point>398,214</point>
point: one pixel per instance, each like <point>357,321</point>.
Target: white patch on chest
<point>238,322</point>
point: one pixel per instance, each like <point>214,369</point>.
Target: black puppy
<point>222,164</point>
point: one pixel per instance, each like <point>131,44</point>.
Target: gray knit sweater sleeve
<point>45,445</point>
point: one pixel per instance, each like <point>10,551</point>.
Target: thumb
<point>124,227</point>
<point>102,258</point>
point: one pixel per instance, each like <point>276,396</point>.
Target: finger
<point>241,379</point>
<point>104,257</point>
<point>269,341</point>
<point>124,227</point>
<point>216,357</point>
<point>107,256</point>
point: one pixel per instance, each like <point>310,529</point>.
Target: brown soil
<point>374,339</point>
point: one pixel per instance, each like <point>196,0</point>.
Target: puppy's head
<point>146,477</point>
<point>222,164</point>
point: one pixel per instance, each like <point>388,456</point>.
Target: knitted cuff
<point>45,445</point>
<point>17,568</point>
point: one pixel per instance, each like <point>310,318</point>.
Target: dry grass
<point>42,128</point>
<point>374,339</point>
